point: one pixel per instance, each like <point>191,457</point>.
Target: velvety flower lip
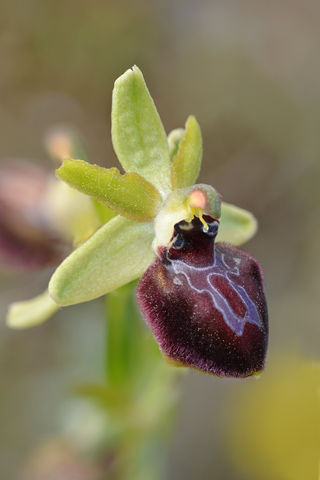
<point>205,303</point>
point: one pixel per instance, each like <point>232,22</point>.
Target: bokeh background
<point>250,72</point>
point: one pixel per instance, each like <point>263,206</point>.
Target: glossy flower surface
<point>205,303</point>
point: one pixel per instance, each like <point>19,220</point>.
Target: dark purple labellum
<point>205,303</point>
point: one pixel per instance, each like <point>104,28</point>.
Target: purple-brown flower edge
<point>205,303</point>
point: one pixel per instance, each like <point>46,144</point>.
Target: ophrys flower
<point>166,226</point>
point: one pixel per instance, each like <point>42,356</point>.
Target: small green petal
<point>237,225</point>
<point>116,254</point>
<point>31,312</point>
<point>130,195</point>
<point>138,136</point>
<point>174,139</point>
<point>186,163</point>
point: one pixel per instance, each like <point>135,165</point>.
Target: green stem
<point>123,337</point>
<point>143,386</point>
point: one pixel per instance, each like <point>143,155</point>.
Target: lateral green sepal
<point>116,254</point>
<point>130,195</point>
<point>237,225</point>
<point>186,163</point>
<point>138,136</point>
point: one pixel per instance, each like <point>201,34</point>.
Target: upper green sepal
<point>138,136</point>
<point>130,195</point>
<point>237,225</point>
<point>186,163</point>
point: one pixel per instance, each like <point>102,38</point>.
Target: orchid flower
<point>203,299</point>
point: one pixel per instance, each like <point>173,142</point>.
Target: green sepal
<point>174,139</point>
<point>237,225</point>
<point>32,312</point>
<point>130,195</point>
<point>138,136</point>
<point>117,253</point>
<point>186,163</point>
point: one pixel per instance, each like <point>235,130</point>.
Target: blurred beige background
<point>250,72</point>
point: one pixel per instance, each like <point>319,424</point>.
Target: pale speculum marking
<point>201,279</point>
